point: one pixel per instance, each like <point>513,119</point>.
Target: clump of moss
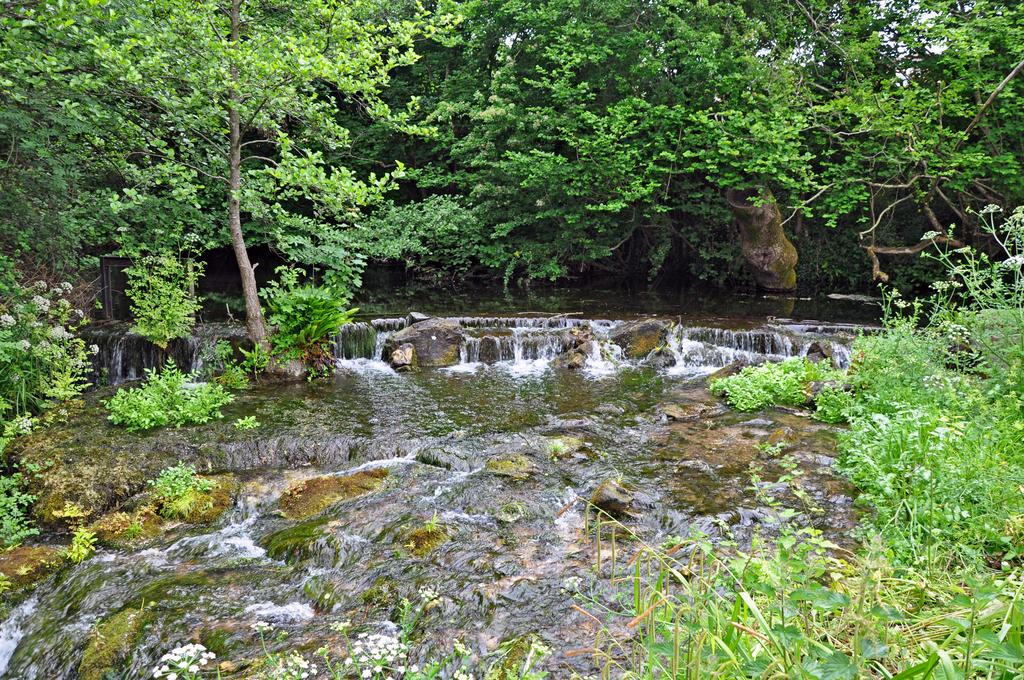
<point>517,467</point>
<point>110,644</point>
<point>516,657</point>
<point>315,495</point>
<point>218,500</point>
<point>383,594</point>
<point>25,565</point>
<point>122,530</point>
<point>297,542</point>
<point>425,539</point>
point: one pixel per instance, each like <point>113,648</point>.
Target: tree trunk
<point>253,314</point>
<point>768,252</point>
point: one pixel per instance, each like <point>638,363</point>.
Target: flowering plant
<point>41,359</point>
<point>183,663</point>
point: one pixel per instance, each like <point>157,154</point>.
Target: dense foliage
<point>161,288</point>
<point>167,397</point>
<point>545,139</point>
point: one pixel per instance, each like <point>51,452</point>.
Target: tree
<point>237,99</point>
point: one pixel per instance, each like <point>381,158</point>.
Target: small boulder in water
<point>639,338</point>
<point>517,467</point>
<point>661,358</point>
<point>313,496</point>
<point>613,498</point>
<point>490,350</point>
<point>818,352</point>
<point>416,317</point>
<point>437,342</point>
<point>403,358</point>
<point>574,359</point>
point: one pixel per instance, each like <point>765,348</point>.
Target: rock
<point>111,643</point>
<point>781,435</point>
<point>517,467</point>
<point>25,565</point>
<point>660,359</point>
<point>639,338</point>
<point>581,334</point>
<point>403,359</point>
<point>756,423</point>
<point>573,359</point>
<point>613,498</point>
<point>690,411</point>
<point>416,317</point>
<point>818,352</point>
<point>313,496</point>
<point>490,350</point>
<point>733,368</point>
<point>437,342</point>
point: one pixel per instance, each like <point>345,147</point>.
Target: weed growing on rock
<point>180,491</point>
<point>784,383</point>
<point>83,545</point>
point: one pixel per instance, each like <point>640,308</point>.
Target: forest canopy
<point>510,140</point>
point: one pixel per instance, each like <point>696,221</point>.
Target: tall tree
<point>239,98</point>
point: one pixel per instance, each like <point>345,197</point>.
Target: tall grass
<point>795,608</point>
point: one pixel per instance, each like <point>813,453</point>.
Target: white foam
<point>292,612</point>
<point>12,631</point>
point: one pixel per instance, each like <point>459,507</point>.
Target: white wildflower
<point>41,303</point>
<point>7,321</point>
<point>25,345</point>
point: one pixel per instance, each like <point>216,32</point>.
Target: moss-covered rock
<point>110,644</point>
<point>517,467</point>
<point>564,446</point>
<point>299,542</point>
<point>382,594</point>
<point>25,565</point>
<point>313,496</point>
<point>120,529</point>
<point>425,539</point>
<point>639,338</point>
<point>436,341</point>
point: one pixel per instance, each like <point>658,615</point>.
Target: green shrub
<point>161,292</point>
<point>833,405</point>
<point>179,491</point>
<point>306,318</point>
<point>771,384</point>
<point>14,506</point>
<point>167,397</point>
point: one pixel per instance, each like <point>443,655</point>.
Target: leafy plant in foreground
<point>167,397</point>
<point>83,545</point>
<point>15,525</point>
<point>179,490</point>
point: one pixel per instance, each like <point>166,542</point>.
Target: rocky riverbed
<point>468,476</point>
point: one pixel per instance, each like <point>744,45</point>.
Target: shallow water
<point>516,542</point>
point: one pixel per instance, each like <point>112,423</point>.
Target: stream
<point>498,450</point>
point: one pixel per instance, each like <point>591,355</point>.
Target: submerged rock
<point>302,542</point>
<point>639,338</point>
<point>437,341</point>
<point>315,495</point>
<point>403,358</point>
<point>111,643</point>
